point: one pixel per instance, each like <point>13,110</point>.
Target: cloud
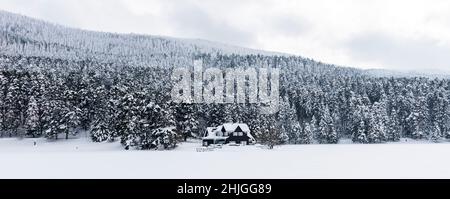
<point>190,19</point>
<point>289,26</point>
<point>399,53</point>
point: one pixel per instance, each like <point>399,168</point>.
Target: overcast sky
<point>391,34</point>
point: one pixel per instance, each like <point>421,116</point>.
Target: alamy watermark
<point>233,85</point>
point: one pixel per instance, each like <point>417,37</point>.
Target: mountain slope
<point>30,37</point>
<point>25,36</point>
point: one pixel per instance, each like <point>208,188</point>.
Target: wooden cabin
<point>230,133</point>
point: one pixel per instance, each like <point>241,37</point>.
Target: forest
<point>56,99</point>
<point>56,82</point>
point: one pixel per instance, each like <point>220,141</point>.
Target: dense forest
<point>56,82</point>
<point>319,104</point>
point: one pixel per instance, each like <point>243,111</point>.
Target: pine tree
<point>32,120</point>
<point>187,121</point>
<point>58,120</point>
<point>71,121</point>
<point>161,139</point>
<point>13,106</point>
<point>435,134</point>
<point>326,131</point>
<point>416,125</point>
<point>359,133</point>
<point>286,119</point>
<point>393,127</point>
<point>306,134</point>
<point>374,130</point>
<point>269,134</point>
<point>439,111</point>
<point>100,131</point>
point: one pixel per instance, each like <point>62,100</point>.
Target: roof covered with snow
<point>230,128</point>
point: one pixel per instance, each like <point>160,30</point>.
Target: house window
<point>240,134</point>
<point>235,134</point>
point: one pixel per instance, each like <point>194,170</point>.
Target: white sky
<point>391,34</point>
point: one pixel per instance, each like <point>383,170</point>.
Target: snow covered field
<point>80,158</point>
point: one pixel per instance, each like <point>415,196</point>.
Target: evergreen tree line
<point>319,103</point>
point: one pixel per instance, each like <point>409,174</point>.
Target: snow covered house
<point>232,133</point>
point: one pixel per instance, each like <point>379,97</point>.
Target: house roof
<point>231,127</point>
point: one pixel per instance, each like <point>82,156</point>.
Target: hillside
<point>30,37</point>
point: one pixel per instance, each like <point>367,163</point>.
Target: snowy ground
<point>80,158</point>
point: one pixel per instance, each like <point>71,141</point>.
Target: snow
<point>80,158</point>
<point>231,127</point>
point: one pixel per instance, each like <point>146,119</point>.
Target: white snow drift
<point>80,158</point>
